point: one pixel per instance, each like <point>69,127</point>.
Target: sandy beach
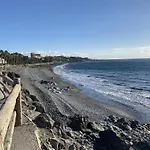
<point>65,118</point>
<point>61,105</point>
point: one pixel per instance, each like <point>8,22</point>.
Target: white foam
<point>120,93</point>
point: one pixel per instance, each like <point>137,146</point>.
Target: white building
<point>2,61</point>
<point>35,55</point>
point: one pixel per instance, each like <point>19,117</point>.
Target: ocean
<point>122,81</point>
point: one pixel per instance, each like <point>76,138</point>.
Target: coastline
<point>116,107</point>
<point>72,120</point>
<point>74,101</point>
<point>109,107</point>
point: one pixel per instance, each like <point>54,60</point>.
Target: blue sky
<point>94,28</point>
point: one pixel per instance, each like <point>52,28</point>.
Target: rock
<point>95,127</point>
<point>44,121</point>
<point>64,134</point>
<point>122,121</point>
<point>24,103</point>
<point>142,146</point>
<point>131,148</point>
<point>31,107</point>
<point>66,143</point>
<point>60,132</point>
<point>123,124</point>
<point>52,78</point>
<point>11,75</point>
<point>57,144</point>
<point>34,98</point>
<point>125,136</point>
<point>54,143</point>
<point>78,122</point>
<point>45,147</point>
<point>61,146</point>
<point>83,148</point>
<point>112,118</point>
<point>114,128</point>
<point>70,134</point>
<point>87,131</point>
<point>148,126</point>
<point>44,82</point>
<point>111,140</point>
<point>72,147</point>
<point>28,99</point>
<point>134,124</point>
<point>26,92</point>
<point>39,107</point>
<point>94,136</point>
<point>57,131</point>
<point>125,127</point>
<point>57,124</point>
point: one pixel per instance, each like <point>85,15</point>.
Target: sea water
<point>123,81</point>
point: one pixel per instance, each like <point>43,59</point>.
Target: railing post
<point>18,106</point>
<point>1,144</point>
<point>4,74</point>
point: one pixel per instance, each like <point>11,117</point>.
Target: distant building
<point>35,55</point>
<point>2,61</point>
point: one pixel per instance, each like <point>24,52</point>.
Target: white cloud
<point>115,53</point>
<point>124,53</point>
<point>144,48</point>
<point>134,52</point>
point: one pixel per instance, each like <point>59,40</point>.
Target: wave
<point>113,89</point>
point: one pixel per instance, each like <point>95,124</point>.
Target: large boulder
<point>44,121</point>
<point>78,123</point>
<point>111,141</point>
<point>142,146</point>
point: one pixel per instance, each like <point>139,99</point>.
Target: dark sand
<point>62,105</point>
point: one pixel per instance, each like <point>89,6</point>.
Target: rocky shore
<point>113,133</point>
<point>70,120</point>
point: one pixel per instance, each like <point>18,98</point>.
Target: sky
<point>91,28</point>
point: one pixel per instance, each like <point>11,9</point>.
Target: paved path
<point>25,138</point>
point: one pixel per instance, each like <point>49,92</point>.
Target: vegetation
<point>17,58</point>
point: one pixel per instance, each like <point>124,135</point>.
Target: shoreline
<point>71,102</point>
<point>119,108</point>
<point>60,118</point>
